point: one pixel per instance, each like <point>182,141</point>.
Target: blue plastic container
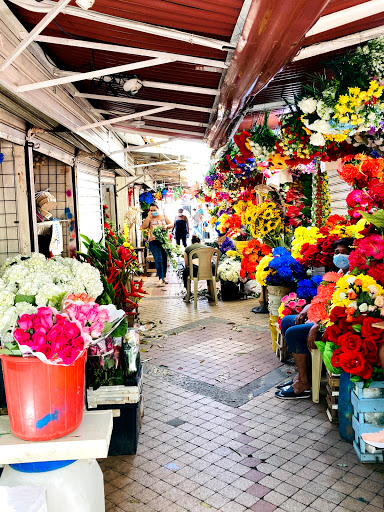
<point>345,408</point>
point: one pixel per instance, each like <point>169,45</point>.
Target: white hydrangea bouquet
<point>30,282</point>
<point>229,270</point>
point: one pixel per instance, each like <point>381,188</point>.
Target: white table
<point>76,487</point>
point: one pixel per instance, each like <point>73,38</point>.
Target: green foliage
<point>377,218</point>
<point>326,350</point>
<point>161,236</point>
<point>121,330</point>
<point>30,299</point>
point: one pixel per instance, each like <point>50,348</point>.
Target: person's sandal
<point>288,393</point>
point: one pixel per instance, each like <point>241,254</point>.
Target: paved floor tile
<point>214,437</point>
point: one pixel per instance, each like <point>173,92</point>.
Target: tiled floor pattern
<point>217,353</point>
<point>198,454</point>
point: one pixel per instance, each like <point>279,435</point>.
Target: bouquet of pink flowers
<point>52,337</point>
<point>91,316</point>
<point>290,305</point>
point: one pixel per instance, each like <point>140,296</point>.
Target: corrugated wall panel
<point>338,190</point>
<point>89,205</point>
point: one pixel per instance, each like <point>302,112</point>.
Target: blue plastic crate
<point>361,406</point>
<point>364,452</point>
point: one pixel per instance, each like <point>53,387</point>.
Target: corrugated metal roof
<point>289,81</point>
<point>207,18</point>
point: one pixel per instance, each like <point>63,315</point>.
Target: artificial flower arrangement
<point>259,143</point>
<point>227,245</point>
<point>280,269</point>
<point>252,255</point>
<point>350,341</point>
<point>304,236</point>
<point>229,270</point>
<point>359,170</point>
<point>368,254</point>
<point>297,212</point>
<point>318,311</point>
<point>290,305</point>
<point>265,221</point>
<point>307,288</point>
<point>146,198</point>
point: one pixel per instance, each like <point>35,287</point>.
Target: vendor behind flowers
<point>300,334</point>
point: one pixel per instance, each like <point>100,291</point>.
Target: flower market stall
<point>268,198</point>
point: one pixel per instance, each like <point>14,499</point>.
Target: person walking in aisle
<point>154,219</point>
<point>181,228</point>
<point>197,217</point>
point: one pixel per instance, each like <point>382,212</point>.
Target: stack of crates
<point>127,404</point>
<point>368,416</point>
<point>333,385</point>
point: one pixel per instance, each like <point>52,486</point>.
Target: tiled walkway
<point>214,437</point>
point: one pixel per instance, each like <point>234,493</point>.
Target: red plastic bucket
<point>44,401</point>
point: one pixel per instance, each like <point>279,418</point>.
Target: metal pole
<point>75,199</point>
<point>31,195</point>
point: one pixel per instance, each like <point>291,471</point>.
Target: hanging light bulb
<point>85,4</point>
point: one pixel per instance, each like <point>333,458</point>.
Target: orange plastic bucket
<point>44,401</point>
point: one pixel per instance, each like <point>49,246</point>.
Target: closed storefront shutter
<point>89,205</point>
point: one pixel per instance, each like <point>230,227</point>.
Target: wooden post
<point>22,200</point>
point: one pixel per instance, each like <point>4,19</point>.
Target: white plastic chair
<point>205,256</point>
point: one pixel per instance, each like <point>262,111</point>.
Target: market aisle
<point>215,438</point>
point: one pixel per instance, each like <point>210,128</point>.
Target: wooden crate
<point>363,406</point>
<point>281,345</point>
<point>115,395</point>
<point>332,398</point>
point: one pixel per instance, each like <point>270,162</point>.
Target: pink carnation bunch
<point>51,336</point>
<point>292,306</point>
<point>90,316</point>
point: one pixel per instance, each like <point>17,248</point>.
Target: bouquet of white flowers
<point>29,282</point>
<point>229,270</point>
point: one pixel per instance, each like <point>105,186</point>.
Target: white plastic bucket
<point>78,487</point>
<point>275,294</point>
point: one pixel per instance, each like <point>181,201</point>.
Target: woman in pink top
<point>155,218</point>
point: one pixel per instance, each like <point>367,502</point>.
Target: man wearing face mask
<point>300,334</point>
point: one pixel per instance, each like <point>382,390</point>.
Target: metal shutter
<point>89,205</point>
<point>338,190</point>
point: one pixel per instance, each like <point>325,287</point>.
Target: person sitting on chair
<point>300,334</point>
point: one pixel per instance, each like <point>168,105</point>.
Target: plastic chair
<point>317,364</point>
<point>205,257</point>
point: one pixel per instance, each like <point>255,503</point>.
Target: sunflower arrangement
<point>264,219</point>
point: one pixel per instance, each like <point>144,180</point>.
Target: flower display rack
<point>332,386</point>
<point>127,404</point>
<point>368,404</point>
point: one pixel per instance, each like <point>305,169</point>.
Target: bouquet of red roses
<point>351,342</point>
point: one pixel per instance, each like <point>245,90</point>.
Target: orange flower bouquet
<point>252,254</point>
